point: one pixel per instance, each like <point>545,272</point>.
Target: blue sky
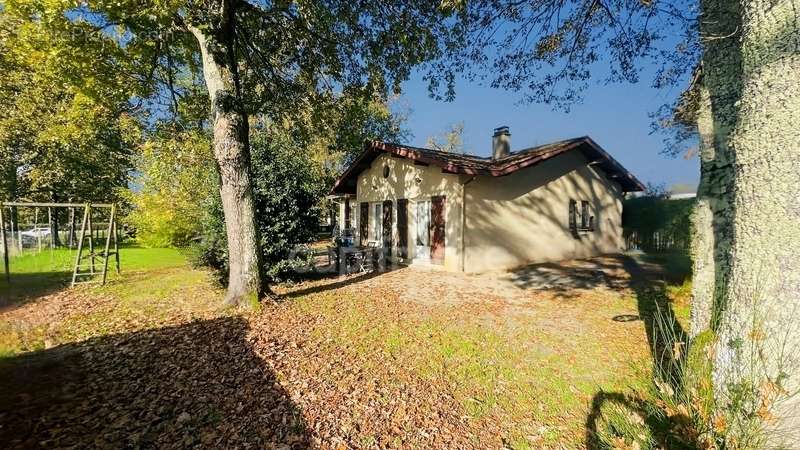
<point>616,116</point>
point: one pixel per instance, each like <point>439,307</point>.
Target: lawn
<point>400,359</point>
<point>36,273</point>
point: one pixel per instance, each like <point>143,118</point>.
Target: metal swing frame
<point>81,270</point>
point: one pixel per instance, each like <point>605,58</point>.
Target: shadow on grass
<point>197,384</point>
<point>612,272</point>
<point>329,278</point>
<point>30,286</point>
<point>335,281</point>
<point>662,330</point>
<point>565,278</point>
<point>677,267</point>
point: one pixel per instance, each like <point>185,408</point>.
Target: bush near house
<point>657,224</point>
<point>288,187</point>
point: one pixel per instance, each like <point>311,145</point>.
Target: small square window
<point>586,220</point>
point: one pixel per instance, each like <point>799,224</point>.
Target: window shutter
<point>363,224</point>
<point>402,227</point>
<point>573,212</point>
<point>347,213</point>
<point>584,214</point>
<point>438,204</point>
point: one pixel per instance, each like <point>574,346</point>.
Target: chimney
<point>501,142</point>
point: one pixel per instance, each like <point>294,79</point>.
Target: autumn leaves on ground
<point>407,359</point>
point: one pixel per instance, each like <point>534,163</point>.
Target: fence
<point>657,225</point>
<point>25,237</point>
<point>657,242</point>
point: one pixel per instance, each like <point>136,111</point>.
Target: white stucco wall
<point>412,182</point>
<point>524,217</point>
<point>510,221</point>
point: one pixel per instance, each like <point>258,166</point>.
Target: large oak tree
<point>747,241</point>
<point>260,57</point>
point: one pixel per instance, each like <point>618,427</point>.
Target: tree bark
<point>232,153</point>
<point>52,218</point>
<point>759,338</point>
<point>702,246</point>
<point>720,25</point>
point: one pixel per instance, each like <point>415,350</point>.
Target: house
<point>552,202</point>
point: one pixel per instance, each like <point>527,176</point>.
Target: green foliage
<point>293,164</point>
<point>177,183</point>
<point>64,135</point>
<point>360,117</point>
<point>288,187</point>
<point>309,50</point>
<point>658,224</point>
<point>676,410</point>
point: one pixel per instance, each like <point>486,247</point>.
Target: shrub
<point>176,180</point>
<point>159,221</point>
<point>656,224</point>
<point>288,186</point>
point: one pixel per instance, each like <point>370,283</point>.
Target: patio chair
<point>360,261</point>
<point>331,251</point>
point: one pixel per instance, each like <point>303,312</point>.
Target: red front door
<point>438,204</point>
<point>402,227</point>
<point>387,228</point>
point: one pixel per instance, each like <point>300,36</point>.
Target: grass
<point>36,273</point>
<point>154,284</point>
<point>534,379</point>
<point>531,374</point>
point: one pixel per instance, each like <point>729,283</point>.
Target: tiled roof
<point>476,165</point>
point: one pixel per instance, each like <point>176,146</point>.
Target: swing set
<point>90,262</point>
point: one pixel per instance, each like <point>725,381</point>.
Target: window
<point>585,215</point>
<point>586,221</point>
<point>377,216</point>
<point>385,171</point>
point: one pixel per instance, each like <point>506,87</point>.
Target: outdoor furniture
<point>358,261</point>
<point>332,254</point>
<point>359,258</point>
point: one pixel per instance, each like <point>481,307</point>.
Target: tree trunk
<point>55,239</point>
<point>759,345</point>
<point>720,26</point>
<point>232,153</point>
<point>702,245</point>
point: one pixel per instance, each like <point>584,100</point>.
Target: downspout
<point>464,221</point>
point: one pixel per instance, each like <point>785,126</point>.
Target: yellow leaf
<point>719,423</point>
